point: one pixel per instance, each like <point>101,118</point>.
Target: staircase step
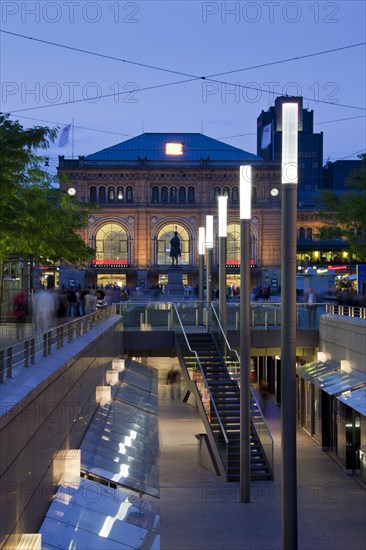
<point>225,394</point>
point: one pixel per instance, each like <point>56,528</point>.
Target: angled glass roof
<point>355,399</point>
<point>139,380</point>
<point>135,366</point>
<point>316,368</point>
<point>93,516</point>
<point>339,381</point>
<point>122,446</point>
<point>137,397</point>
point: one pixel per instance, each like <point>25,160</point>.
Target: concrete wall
<point>344,338</point>
<point>53,416</point>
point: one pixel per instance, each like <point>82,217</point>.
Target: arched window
<point>164,237</point>
<point>182,195</point>
<point>173,195</point>
<point>93,194</point>
<point>301,233</point>
<point>233,245</point>
<point>110,194</point>
<point>120,193</point>
<point>226,192</point>
<point>155,194</point>
<point>102,194</point>
<point>217,193</point>
<point>191,195</point>
<point>129,195</point>
<point>235,196</point>
<point>111,243</point>
<point>164,194</point>
<point>309,234</point>
<point>233,242</point>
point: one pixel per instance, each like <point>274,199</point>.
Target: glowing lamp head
<point>222,202</point>
<point>289,143</point>
<point>209,231</point>
<point>245,192</point>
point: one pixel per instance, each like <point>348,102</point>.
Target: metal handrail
<point>238,360</point>
<point>203,374</point>
<point>346,310</point>
<point>42,343</point>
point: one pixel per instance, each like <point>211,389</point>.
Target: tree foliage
<point>36,219</point>
<point>346,213</point>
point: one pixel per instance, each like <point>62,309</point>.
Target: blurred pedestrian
<point>44,311</point>
<point>90,301</point>
<point>82,303</point>
<point>20,312</point>
<point>72,301</point>
<point>311,306</point>
<point>172,380</point>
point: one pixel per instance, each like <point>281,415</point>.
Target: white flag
<point>64,136</point>
<point>266,136</point>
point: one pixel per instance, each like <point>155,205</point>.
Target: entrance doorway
<point>111,279</point>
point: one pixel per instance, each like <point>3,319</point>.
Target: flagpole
<point>72,138</point>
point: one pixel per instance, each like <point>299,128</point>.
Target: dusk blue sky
<point>193,37</point>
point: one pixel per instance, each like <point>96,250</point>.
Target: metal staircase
<point>219,395</point>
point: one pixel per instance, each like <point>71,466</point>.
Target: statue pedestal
<point>175,285</point>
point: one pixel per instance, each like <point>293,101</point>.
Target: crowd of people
<point>45,306</point>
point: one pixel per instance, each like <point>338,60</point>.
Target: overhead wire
<point>75,126</point>
<point>207,78</point>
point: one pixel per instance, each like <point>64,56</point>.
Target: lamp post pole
<point>245,216</point>
<point>209,247</point>
<point>201,255</point>
<point>289,178</point>
<point>222,204</point>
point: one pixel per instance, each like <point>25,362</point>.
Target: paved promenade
<point>198,511</point>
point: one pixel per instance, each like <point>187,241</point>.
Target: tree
<point>36,219</point>
<point>346,213</point>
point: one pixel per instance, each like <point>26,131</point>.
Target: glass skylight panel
<point>94,516</point>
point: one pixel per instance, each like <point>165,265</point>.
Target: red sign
<point>109,262</point>
<point>236,263</point>
<point>337,267</point>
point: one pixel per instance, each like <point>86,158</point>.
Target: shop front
<point>327,412</point>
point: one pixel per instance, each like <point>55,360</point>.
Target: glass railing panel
<point>190,316</point>
<point>263,315</point>
<point>308,316</point>
<point>267,315</point>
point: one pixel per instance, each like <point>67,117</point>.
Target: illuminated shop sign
<point>337,267</point>
<point>236,263</point>
<point>109,263</point>
<point>316,269</point>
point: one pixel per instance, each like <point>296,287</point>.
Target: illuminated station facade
<point>154,184</point>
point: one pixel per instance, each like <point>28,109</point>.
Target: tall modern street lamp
<point>245,216</point>
<point>222,204</point>
<point>209,247</point>
<point>289,173</point>
<point>201,255</point>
